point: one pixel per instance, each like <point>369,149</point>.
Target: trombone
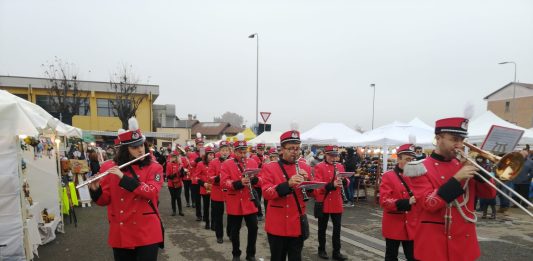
<point>506,168</point>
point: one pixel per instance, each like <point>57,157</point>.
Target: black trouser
<point>196,199</point>
<point>217,217</point>
<point>187,188</point>
<point>391,249</point>
<point>523,190</point>
<point>140,253</point>
<point>235,223</point>
<point>281,247</point>
<point>175,196</point>
<point>259,196</point>
<point>206,200</point>
<point>336,237</point>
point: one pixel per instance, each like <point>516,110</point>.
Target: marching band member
<point>217,195</point>
<point>187,178</point>
<point>445,190</point>
<point>131,195</point>
<point>194,159</point>
<point>203,178</point>
<point>239,203</point>
<point>400,214</point>
<point>332,199</point>
<point>259,157</point>
<point>285,201</point>
<point>174,179</point>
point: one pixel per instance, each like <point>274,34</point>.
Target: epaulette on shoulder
<point>414,169</point>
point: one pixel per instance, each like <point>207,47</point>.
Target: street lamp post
<point>373,86</point>
<point>514,91</point>
<point>256,36</point>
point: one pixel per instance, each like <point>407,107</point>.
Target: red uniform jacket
<point>132,222</point>
<point>238,196</point>
<point>259,159</point>
<point>433,191</point>
<point>214,179</point>
<point>282,216</point>
<point>324,173</point>
<point>400,219</point>
<point>173,175</point>
<point>202,176</point>
<point>192,166</point>
<point>187,167</point>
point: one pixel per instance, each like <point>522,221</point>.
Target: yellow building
<point>96,115</point>
<point>513,103</point>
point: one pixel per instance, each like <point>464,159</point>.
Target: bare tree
<point>127,99</point>
<point>231,117</point>
<point>65,98</point>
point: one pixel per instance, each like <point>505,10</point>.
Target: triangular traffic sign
<point>265,116</point>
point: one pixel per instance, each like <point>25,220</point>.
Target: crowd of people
<point>420,198</point>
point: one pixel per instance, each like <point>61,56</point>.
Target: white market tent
<point>479,127</point>
<point>398,133</point>
<point>268,137</point>
<point>330,133</point>
<point>416,122</point>
<point>20,117</point>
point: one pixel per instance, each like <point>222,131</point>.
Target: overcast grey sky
<point>316,58</point>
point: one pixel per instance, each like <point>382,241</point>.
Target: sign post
<point>265,116</point>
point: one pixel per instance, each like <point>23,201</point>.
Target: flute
<point>304,192</point>
<point>343,193</point>
<point>97,177</point>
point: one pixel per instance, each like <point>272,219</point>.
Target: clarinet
<point>252,195</point>
<point>304,192</point>
<point>343,193</point>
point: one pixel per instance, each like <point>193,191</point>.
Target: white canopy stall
<point>479,127</point>
<point>330,133</point>
<point>268,137</point>
<point>18,220</point>
<point>397,133</point>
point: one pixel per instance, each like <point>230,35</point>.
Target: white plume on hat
<point>198,135</point>
<point>294,126</point>
<point>412,139</point>
<point>224,137</point>
<point>133,124</point>
<point>469,110</point>
<point>240,137</point>
<point>120,131</point>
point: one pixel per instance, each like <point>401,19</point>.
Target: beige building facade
<point>513,103</point>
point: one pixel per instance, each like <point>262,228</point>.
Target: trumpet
<point>97,177</point>
<point>506,168</point>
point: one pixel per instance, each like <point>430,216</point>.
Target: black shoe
<point>220,240</point>
<point>339,256</point>
<point>250,258</point>
<point>181,214</point>
<point>207,227</point>
<point>323,254</point>
<point>173,214</point>
<point>259,218</point>
<point>188,205</point>
<point>236,258</point>
<point>198,219</point>
<point>213,228</point>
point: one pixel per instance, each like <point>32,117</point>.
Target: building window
<point>507,106</point>
<point>105,108</point>
<point>23,96</point>
<point>45,102</point>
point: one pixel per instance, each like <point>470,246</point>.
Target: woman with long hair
<point>131,195</point>
<point>205,187</point>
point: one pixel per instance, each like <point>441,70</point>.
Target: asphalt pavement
<point>509,237</point>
